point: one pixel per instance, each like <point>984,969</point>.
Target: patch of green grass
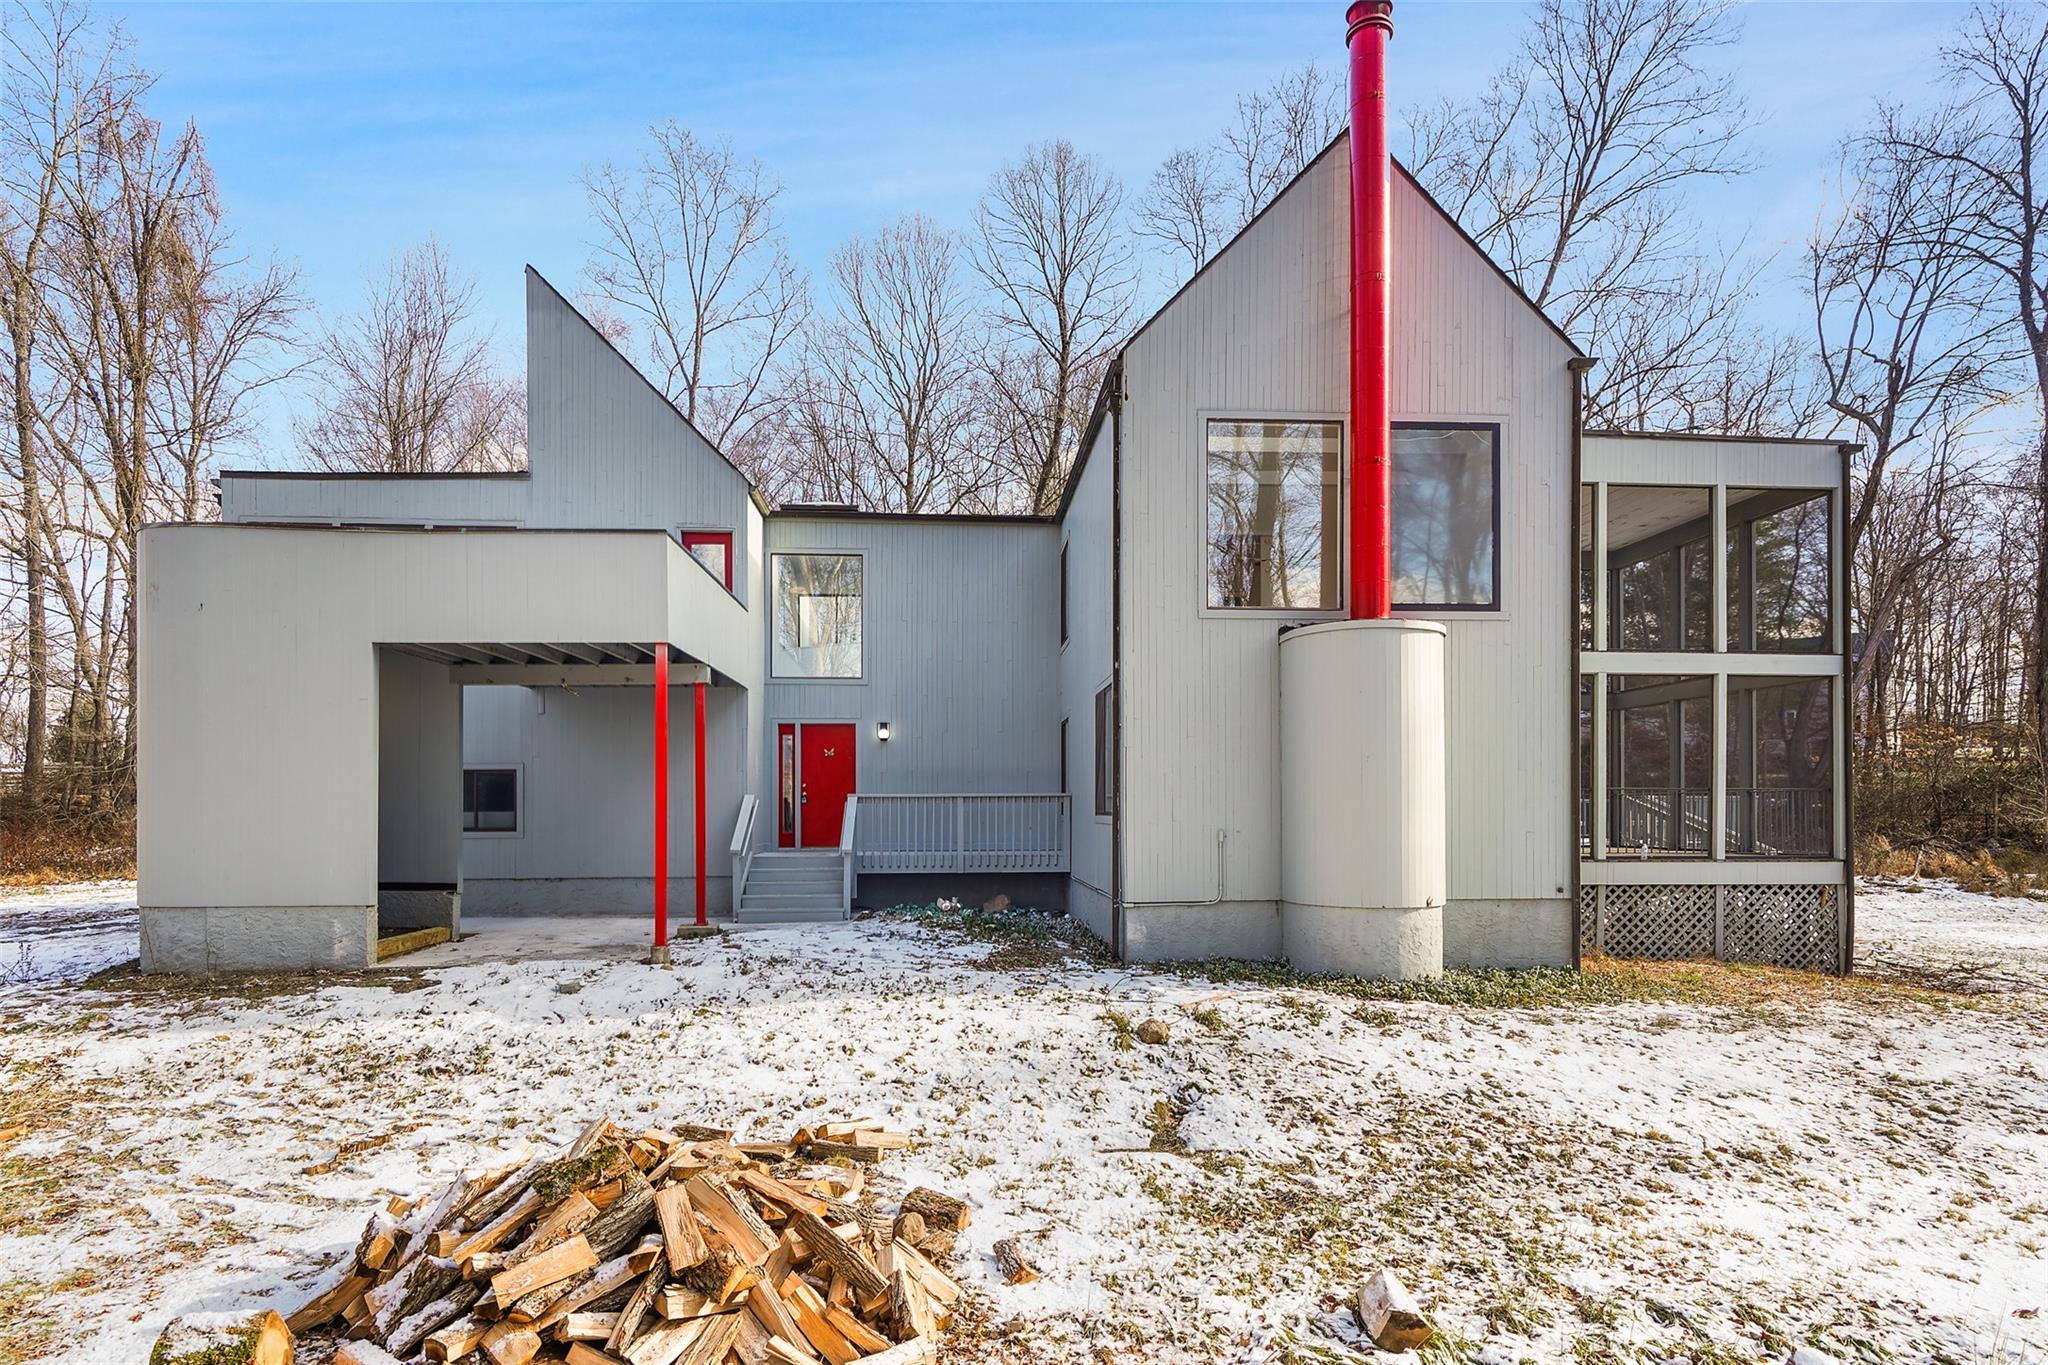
<point>1210,1018</point>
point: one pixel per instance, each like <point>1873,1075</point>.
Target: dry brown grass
<point>2006,872</point>
<point>47,855</point>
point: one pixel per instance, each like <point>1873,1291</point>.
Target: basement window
<point>1274,517</point>
<point>490,800</point>
<point>818,609</point>
<point>1446,516</point>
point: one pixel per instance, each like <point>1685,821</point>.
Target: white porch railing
<point>961,833</point>
<point>743,847</point>
<point>846,856</point>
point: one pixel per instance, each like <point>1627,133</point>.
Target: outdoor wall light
<point>882,731</point>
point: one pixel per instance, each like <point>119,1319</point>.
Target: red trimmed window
<point>713,549</point>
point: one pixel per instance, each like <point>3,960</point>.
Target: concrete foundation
<point>1510,933</point>
<point>1244,930</point>
<point>1362,779</point>
<point>419,907</point>
<point>259,939</point>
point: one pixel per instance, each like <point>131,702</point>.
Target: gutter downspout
<point>1370,25</point>
<point>1577,368</point>
<point>1116,656</point>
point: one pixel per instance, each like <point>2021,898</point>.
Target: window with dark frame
<point>1446,516</point>
<point>1063,754</point>
<point>1105,754</point>
<point>490,800</point>
<point>1063,594</point>
<point>1275,534</point>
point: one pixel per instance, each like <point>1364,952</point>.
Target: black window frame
<point>1499,460</point>
<point>1063,591</point>
<point>469,805</point>
<point>1105,751</point>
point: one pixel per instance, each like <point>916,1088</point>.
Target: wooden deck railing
<point>962,832</point>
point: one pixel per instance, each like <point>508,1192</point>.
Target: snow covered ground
<point>1702,1164</point>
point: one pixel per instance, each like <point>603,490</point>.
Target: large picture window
<point>1275,524</point>
<point>1446,515</point>
<point>817,628</point>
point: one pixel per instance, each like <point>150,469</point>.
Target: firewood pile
<point>655,1248</point>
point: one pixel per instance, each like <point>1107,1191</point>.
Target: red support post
<point>1371,24</point>
<point>702,920</point>
<point>661,796</point>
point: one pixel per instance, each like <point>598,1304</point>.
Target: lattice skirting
<point>1785,926</point>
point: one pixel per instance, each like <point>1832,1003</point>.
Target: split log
<point>620,1225</point>
<point>586,1327</point>
<point>1015,1265</point>
<point>680,1236</point>
<point>509,1343</point>
<point>910,1227</point>
<point>819,1150</point>
<point>408,1334</point>
<point>916,1351</point>
<point>255,1338</point>
<point>415,1286</point>
<point>721,1210</point>
<point>455,1340</point>
<point>840,1255</point>
<point>582,1353</point>
<point>937,1210</point>
<point>325,1306</point>
<point>910,1310</point>
<point>364,1353</point>
<point>1389,1313</point>
<point>635,1312</point>
<point>549,1268</point>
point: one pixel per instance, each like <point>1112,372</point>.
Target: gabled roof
<point>1101,400</point>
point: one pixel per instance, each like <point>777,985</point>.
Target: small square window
<point>712,549</point>
<point>490,800</point>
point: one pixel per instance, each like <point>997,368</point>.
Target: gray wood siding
<point>586,786</point>
<point>960,637</point>
<point>1085,665</point>
<point>607,449</point>
<point>1266,331</point>
<point>441,502</point>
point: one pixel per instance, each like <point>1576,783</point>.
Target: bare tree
<point>1996,136</point>
<point>50,84</point>
<point>227,334</point>
<point>1184,208</point>
<point>409,384</point>
<point>884,413</point>
<point>690,250</point>
<point>1051,251</point>
<point>1570,171</point>
<point>1202,196</point>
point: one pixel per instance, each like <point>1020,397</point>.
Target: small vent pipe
<point>1370,27</point>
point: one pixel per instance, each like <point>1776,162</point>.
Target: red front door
<point>824,781</point>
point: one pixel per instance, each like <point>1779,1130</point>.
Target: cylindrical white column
<point>1362,863</point>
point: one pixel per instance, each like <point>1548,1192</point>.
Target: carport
<point>301,716</point>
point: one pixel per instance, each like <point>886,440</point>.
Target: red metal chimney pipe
<point>1371,25</point>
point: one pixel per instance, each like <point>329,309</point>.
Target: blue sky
<point>341,133</point>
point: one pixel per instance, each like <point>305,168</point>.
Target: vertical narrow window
<point>1063,755</point>
<point>712,549</point>
<point>818,608</point>
<point>1063,594</point>
<point>1446,516</point>
<point>490,800</point>
<point>1105,754</point>
<point>1274,514</point>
